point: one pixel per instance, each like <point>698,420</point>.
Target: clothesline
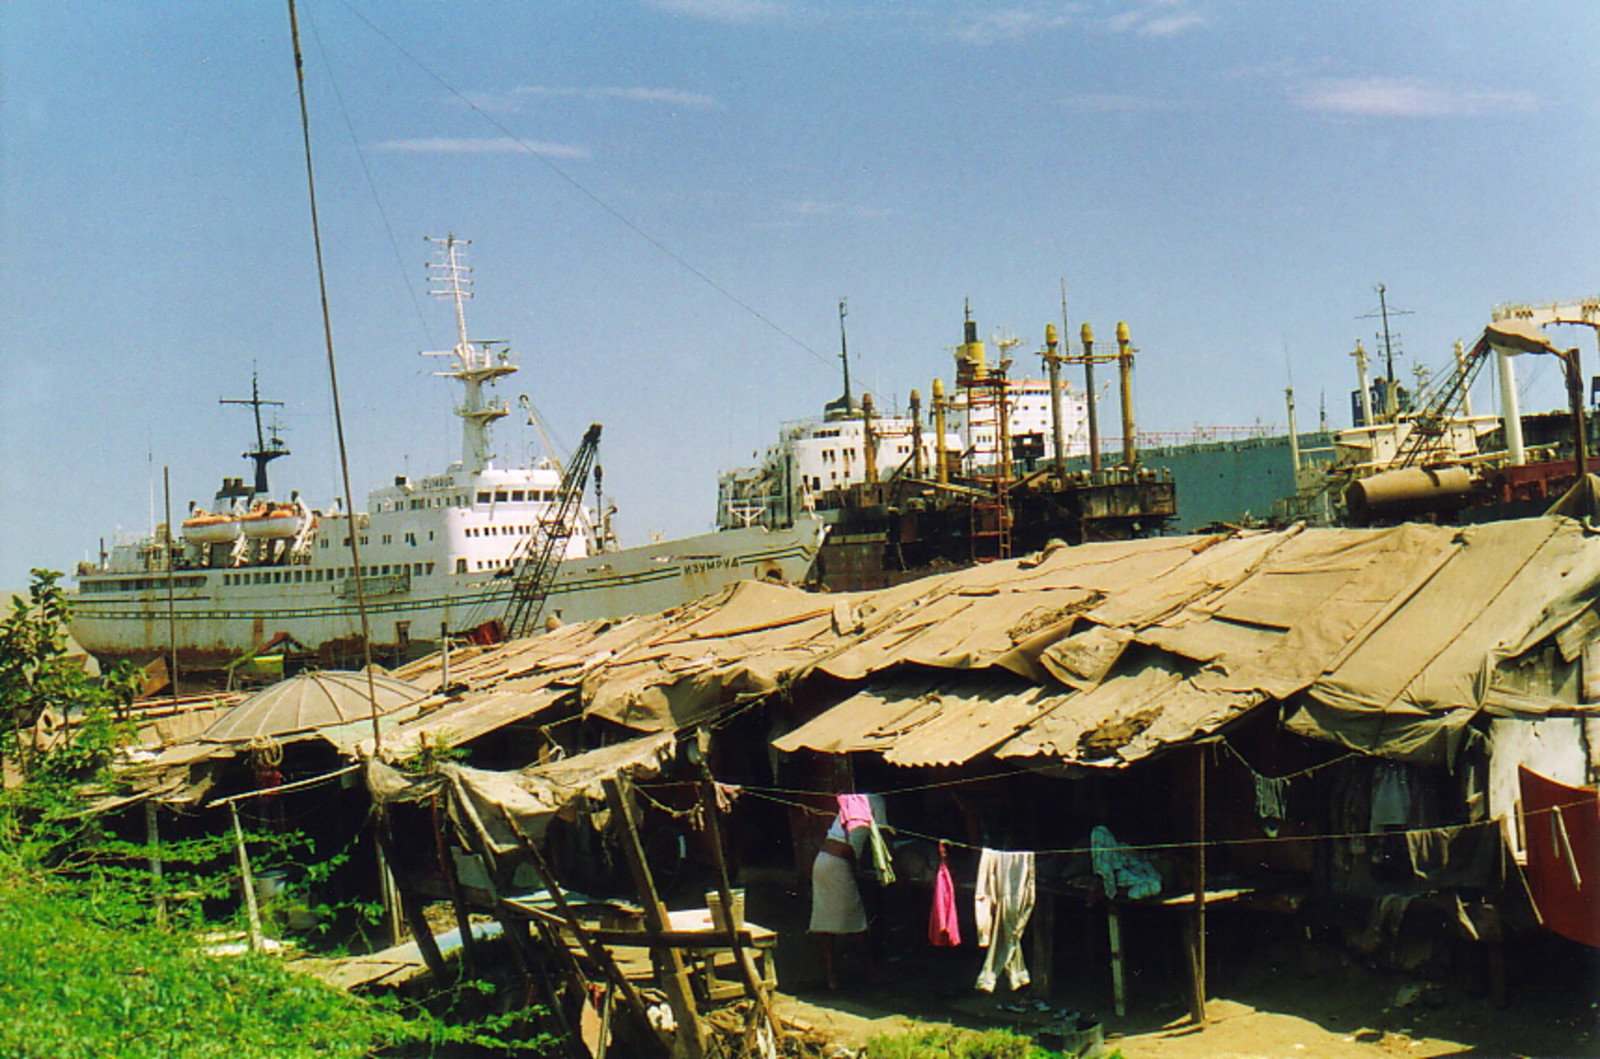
<point>1146,847</point>
<point>960,781</point>
<point>282,787</point>
<point>1308,770</point>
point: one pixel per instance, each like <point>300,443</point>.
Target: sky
<point>667,199</point>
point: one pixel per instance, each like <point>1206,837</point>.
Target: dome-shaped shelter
<point>310,701</point>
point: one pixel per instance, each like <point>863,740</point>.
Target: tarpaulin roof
<point>493,803</point>
<point>926,719</point>
<point>1383,640</point>
<point>1387,640</point>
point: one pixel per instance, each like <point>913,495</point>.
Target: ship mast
<point>476,363</point>
<point>266,450</point>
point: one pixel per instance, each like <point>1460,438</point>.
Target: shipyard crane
<point>1431,418</point>
<point>1423,471</point>
<point>537,563</point>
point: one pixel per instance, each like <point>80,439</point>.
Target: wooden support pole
<point>691,1038</point>
<point>1119,992</point>
<point>593,949</point>
<point>158,882</point>
<point>416,919</point>
<point>458,896</point>
<point>741,954</point>
<point>1197,946</point>
<point>473,833</point>
<point>246,881</point>
<point>391,899</point>
<point>1044,945</point>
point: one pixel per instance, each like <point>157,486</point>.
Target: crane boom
<point>537,563</point>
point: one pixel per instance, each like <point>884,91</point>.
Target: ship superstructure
<point>438,553</point>
<point>983,476</point>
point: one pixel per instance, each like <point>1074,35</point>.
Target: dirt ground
<point>1274,990</point>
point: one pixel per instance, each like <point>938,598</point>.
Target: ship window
<point>500,495</point>
<point>518,494</point>
<point>388,538</point>
<point>485,496</point>
<point>363,540</point>
<point>324,542</point>
<point>429,568</point>
<point>299,576</point>
<point>461,566</point>
<point>384,569</point>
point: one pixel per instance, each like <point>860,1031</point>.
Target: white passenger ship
<point>436,554</point>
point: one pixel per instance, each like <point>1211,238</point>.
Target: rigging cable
<point>372,185</point>
<point>583,190</point>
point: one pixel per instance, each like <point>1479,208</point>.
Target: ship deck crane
<point>536,566</point>
<point>1431,419</point>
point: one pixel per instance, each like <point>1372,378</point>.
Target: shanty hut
<point>1334,722</point>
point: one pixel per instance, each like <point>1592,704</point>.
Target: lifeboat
<point>271,522</point>
<point>203,527</point>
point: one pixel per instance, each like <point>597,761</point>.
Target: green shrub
<point>948,1042</point>
<point>71,988</point>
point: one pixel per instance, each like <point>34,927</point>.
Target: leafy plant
<point>40,683</point>
<point>950,1042</point>
<point>83,972</point>
<point>432,749</point>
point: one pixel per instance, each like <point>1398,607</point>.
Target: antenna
<point>1390,399</point>
<point>844,352</point>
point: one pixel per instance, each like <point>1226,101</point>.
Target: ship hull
<point>216,616</point>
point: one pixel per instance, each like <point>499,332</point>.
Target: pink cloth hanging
<point>943,929</point>
<point>855,811</point>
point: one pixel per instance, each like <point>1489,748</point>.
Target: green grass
<point>949,1042</point>
<point>71,988</point>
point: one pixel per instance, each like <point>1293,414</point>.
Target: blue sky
<point>667,198</point>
